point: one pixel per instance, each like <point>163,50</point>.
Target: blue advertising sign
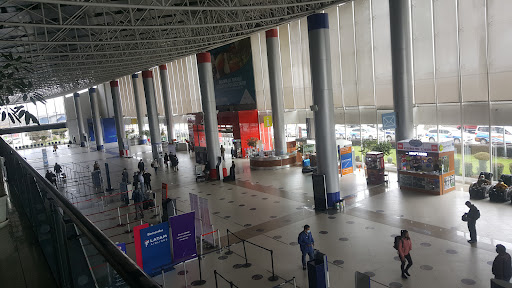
<point>388,121</point>
<point>156,249</point>
<point>234,76</point>
<point>183,236</point>
<point>122,247</point>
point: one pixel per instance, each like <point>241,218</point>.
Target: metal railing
<point>78,253</point>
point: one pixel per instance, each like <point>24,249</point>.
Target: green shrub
<point>468,169</point>
<point>497,170</point>
<point>482,156</point>
<point>510,168</point>
<point>457,167</point>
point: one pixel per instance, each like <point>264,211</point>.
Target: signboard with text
<point>346,160</point>
<point>417,145</point>
<point>156,249</point>
<point>183,237</point>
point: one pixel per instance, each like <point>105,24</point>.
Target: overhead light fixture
<point>69,95</point>
<point>82,91</point>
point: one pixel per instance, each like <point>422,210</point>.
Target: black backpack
<point>397,240</point>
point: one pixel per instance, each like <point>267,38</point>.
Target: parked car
<point>388,135</point>
<point>482,134</point>
<point>364,133</point>
<point>446,133</point>
<point>468,128</point>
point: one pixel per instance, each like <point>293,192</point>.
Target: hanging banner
<point>267,121</point>
<point>136,236</point>
<point>346,160</point>
<point>183,237</point>
<point>233,76</point>
<point>194,206</point>
<point>164,191</point>
<point>156,249</point>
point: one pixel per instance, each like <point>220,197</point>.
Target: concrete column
<point>167,102</point>
<point>80,119</point>
<point>154,129</point>
<point>211,127</point>
<point>276,91</point>
<point>118,117</point>
<point>323,107</point>
<point>401,60</point>
<point>96,120</point>
<point>138,109</point>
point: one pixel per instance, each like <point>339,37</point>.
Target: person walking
<point>138,198</point>
<point>222,151</point>
<point>166,160</point>
<point>96,166</point>
<point>502,266</point>
<point>141,165</point>
<point>58,169</point>
<point>471,216</point>
<point>404,249</point>
<point>174,162</point>
<point>55,148</point>
<point>142,186</point>
<point>125,176</point>
<point>155,166</point>
<point>307,244</point>
<point>135,181</point>
<point>147,180</point>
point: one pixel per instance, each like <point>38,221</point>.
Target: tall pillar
<point>211,127</point>
<point>138,109</point>
<point>154,129</point>
<point>401,60</point>
<point>96,120</point>
<point>276,91</point>
<point>323,107</point>
<point>118,117</point>
<point>164,78</point>
<point>80,119</point>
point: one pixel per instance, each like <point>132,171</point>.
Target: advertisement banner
<point>194,206</point>
<point>156,249</point>
<point>122,247</point>
<point>206,222</point>
<point>183,237</point>
<point>234,76</point>
<point>45,157</point>
<point>346,160</point>
<point>138,251</point>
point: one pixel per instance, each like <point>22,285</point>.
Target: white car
<point>446,133</point>
<point>364,133</point>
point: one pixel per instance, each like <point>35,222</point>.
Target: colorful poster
<point>183,237</point>
<point>156,249</point>
<point>346,160</point>
<point>234,76</point>
<point>136,236</point>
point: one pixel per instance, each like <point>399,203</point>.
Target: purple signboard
<point>183,236</point>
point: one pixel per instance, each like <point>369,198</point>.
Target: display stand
<point>375,167</point>
<point>426,167</point>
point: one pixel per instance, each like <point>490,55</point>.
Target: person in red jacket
<point>404,249</point>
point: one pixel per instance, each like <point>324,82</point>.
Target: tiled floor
<point>269,209</point>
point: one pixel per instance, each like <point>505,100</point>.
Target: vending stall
<point>374,167</point>
<point>426,166</point>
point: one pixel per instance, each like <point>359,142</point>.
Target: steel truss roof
<point>75,44</point>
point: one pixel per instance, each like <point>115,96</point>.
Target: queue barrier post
<point>273,277</point>
<point>199,282</point>
<point>119,216</point>
<point>127,224</point>
<point>247,264</point>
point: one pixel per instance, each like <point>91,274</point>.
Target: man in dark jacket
<point>472,215</point>
<point>306,243</point>
<point>135,181</point>
<point>58,169</point>
<point>125,176</point>
<point>138,198</point>
<point>141,165</point>
<point>147,180</point>
<point>502,266</point>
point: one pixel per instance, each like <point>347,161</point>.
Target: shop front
<point>426,166</point>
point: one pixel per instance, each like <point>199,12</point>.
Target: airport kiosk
<point>426,166</point>
<point>375,167</point>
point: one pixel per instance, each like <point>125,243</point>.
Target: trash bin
<point>317,271</point>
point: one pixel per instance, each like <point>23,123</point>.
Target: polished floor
<point>269,208</point>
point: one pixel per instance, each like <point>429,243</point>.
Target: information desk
<point>426,167</point>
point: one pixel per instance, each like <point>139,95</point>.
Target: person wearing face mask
<point>306,243</point>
